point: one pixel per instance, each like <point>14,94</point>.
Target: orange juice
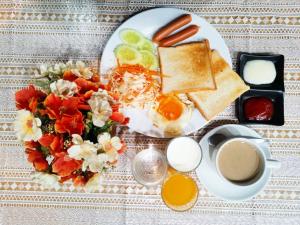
<point>179,192</point>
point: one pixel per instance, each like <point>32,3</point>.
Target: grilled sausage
<point>172,26</point>
<point>179,36</point>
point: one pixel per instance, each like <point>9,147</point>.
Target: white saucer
<point>210,179</point>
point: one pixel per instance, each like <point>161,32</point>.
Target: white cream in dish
<point>184,154</point>
<point>259,72</point>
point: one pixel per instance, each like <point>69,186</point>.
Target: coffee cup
<point>241,161</point>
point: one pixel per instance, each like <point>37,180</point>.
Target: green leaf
<point>45,151</point>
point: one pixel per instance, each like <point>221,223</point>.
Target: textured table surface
<point>35,32</point>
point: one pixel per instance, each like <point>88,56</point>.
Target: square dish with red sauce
<point>261,107</point>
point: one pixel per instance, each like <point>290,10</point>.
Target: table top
<point>40,31</point>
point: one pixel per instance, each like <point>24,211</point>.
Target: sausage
<point>179,36</point>
<point>172,26</point>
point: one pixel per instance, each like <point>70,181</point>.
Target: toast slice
<point>229,87</point>
<point>186,68</point>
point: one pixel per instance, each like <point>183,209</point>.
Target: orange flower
<point>73,124</point>
<point>37,158</point>
<point>119,117</point>
<point>85,85</point>
<point>55,143</point>
<point>79,180</point>
<point>68,75</point>
<point>28,98</point>
<point>31,145</point>
<point>65,166</point>
<point>56,106</point>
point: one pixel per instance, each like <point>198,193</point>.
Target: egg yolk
<point>170,107</point>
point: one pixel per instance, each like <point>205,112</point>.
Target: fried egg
<point>171,113</point>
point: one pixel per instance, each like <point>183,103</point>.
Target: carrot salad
<point>135,85</point>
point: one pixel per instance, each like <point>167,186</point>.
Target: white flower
<point>27,127</point>
<point>96,163</point>
<point>80,69</point>
<point>87,151</point>
<point>93,183</point>
<point>100,106</point>
<point>46,180</point>
<point>58,68</point>
<point>111,146</point>
<point>63,88</point>
<point>44,69</point>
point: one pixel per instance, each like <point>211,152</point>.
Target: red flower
<point>31,145</point>
<point>73,124</point>
<point>85,85</point>
<point>56,106</point>
<point>55,143</point>
<point>119,117</point>
<point>123,149</point>
<point>79,180</point>
<point>68,75</point>
<point>65,166</point>
<point>28,98</point>
<point>37,158</point>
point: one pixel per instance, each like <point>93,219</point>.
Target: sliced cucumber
<point>131,37</point>
<point>127,54</point>
<point>148,60</point>
<point>146,44</point>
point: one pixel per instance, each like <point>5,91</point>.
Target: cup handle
<point>273,164</point>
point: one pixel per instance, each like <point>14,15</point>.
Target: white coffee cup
<point>263,164</point>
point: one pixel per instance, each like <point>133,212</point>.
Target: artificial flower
<point>94,182</point>
<point>37,159</point>
<point>79,69</point>
<point>55,143</point>
<point>71,124</point>
<point>47,70</point>
<point>28,98</point>
<point>85,85</point>
<point>63,88</point>
<point>56,107</point>
<point>100,106</point>
<point>81,149</point>
<point>27,127</point>
<point>87,151</point>
<point>46,180</point>
<point>119,117</point>
<point>111,146</point>
<point>79,180</point>
<point>65,165</point>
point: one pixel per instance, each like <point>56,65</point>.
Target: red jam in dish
<point>258,108</point>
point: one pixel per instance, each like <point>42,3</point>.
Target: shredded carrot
<point>140,76</point>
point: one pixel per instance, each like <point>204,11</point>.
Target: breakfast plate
<point>210,179</point>
<point>147,23</point>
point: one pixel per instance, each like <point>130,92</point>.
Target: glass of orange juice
<point>179,191</point>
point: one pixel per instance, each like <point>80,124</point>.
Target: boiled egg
<point>171,113</point>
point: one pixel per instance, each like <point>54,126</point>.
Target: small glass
<point>179,191</point>
<point>149,167</point>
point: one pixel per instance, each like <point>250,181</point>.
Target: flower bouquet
<point>66,123</point>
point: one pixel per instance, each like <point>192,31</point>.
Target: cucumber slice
<point>127,54</point>
<point>148,60</point>
<point>131,37</point>
<point>146,44</point>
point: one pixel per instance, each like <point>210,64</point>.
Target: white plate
<point>148,22</point>
<point>210,179</point>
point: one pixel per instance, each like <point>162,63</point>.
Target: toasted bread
<point>186,68</point>
<point>229,87</point>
